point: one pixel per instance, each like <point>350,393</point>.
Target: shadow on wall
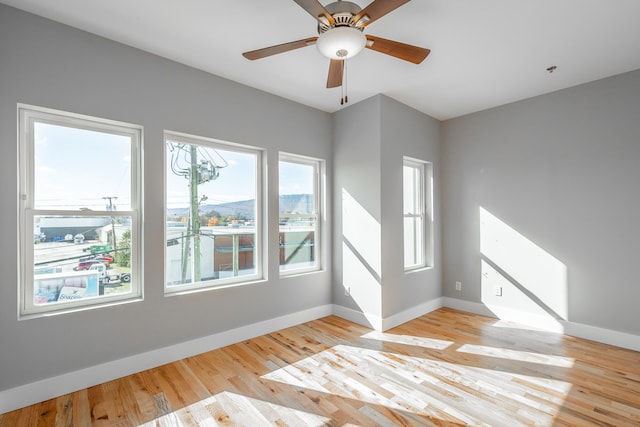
<point>520,281</point>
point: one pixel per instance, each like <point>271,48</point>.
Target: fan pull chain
<point>344,68</point>
<point>346,87</point>
<point>344,97</point>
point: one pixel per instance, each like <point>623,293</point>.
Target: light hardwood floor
<point>444,368</point>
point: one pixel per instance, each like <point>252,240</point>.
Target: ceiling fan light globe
<point>341,43</point>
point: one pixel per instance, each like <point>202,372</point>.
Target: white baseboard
<point>382,324</point>
<point>593,333</point>
<point>606,336</point>
<point>410,314</point>
<point>464,305</point>
<point>532,320</point>
<point>49,388</point>
<point>355,316</point>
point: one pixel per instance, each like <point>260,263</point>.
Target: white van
<point>109,276</point>
<point>101,269</point>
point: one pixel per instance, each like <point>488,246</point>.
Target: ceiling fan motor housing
<point>343,39</point>
<point>342,13</point>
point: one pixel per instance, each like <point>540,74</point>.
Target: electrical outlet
<point>497,291</point>
<point>347,291</point>
<point>458,286</point>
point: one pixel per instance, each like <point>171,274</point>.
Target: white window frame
<point>259,252</point>
<point>28,115</point>
<point>318,197</point>
<point>423,236</point>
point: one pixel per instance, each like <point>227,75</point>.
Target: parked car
<point>85,265</point>
<point>106,259</point>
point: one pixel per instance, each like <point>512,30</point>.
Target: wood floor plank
<point>64,411</point>
<point>446,368</point>
<point>81,408</point>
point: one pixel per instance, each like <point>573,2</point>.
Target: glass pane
<point>211,213</point>
<point>410,188</point>
<point>409,242</point>
<point>62,154</point>
<point>80,257</point>
<point>297,215</point>
<point>413,242</point>
<point>296,248</point>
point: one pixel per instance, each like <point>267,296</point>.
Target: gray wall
<point>357,230</point>
<point>406,132</point>
<point>370,140</point>
<point>47,64</point>
<point>557,177</point>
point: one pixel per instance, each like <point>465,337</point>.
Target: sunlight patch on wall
<point>361,257</point>
<point>515,304</point>
<point>362,231</point>
<point>361,284</point>
<point>519,276</point>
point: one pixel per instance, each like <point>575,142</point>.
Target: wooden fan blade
<point>336,69</point>
<point>280,48</point>
<point>376,10</point>
<point>315,9</point>
<point>399,50</point>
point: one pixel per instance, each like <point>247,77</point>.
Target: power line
<point>110,206</point>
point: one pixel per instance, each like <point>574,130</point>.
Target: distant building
<point>217,246</point>
<point>55,227</point>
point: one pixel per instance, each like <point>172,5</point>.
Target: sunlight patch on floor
<point>522,356</point>
<point>423,342</point>
<point>540,327</point>
<point>228,408</point>
<point>425,386</point>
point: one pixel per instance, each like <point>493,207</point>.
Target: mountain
<point>293,203</point>
<point>296,203</point>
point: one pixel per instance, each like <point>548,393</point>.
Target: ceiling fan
<point>340,35</point>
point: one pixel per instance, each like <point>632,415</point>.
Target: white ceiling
<point>484,53</point>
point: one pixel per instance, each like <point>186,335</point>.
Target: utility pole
<point>193,221</point>
<point>186,244</point>
<point>195,217</point>
<point>111,207</point>
<point>185,162</point>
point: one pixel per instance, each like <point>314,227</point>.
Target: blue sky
<point>295,178</point>
<point>76,168</point>
<point>235,182</point>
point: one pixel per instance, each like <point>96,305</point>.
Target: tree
<point>123,254</point>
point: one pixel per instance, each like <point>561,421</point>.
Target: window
<point>416,208</point>
<point>80,200</point>
<point>213,220</point>
<point>299,219</point>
